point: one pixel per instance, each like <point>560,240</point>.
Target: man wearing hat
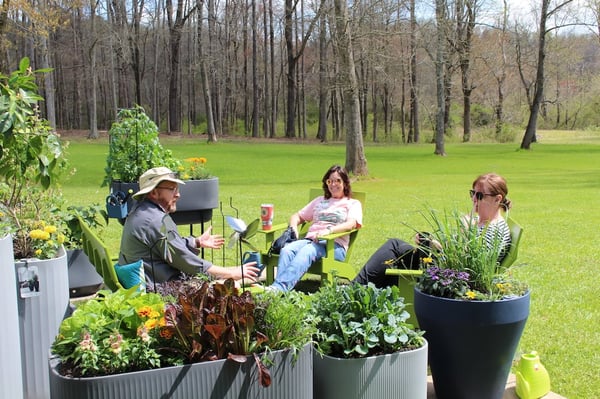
<point>151,234</point>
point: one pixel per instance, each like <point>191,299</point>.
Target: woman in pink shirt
<point>333,212</point>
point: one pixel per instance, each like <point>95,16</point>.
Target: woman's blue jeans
<point>295,259</point>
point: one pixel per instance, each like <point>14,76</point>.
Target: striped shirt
<point>497,229</point>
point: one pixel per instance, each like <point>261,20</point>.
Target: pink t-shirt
<point>330,212</point>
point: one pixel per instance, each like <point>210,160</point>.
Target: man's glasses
<point>331,181</point>
<point>175,189</point>
<point>479,195</point>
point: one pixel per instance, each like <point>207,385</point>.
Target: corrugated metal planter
<point>10,361</point>
<point>400,375</point>
<point>42,307</point>
<point>217,379</point>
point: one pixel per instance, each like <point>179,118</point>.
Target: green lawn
<point>554,189</point>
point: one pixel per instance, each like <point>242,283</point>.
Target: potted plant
<point>365,347</point>
<point>191,338</point>
<point>199,194</point>
<point>134,147</point>
<point>473,312</point>
<point>32,163</point>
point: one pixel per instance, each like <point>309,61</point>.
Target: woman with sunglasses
<point>488,194</point>
<point>333,212</point>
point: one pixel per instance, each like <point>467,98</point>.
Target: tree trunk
<point>413,130</point>
<point>323,83</point>
<point>92,98</point>
<point>208,107</point>
<point>530,131</point>
<point>356,161</point>
<point>440,6</point>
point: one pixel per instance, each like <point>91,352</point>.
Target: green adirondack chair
<point>325,267</point>
<point>100,257</point>
<point>407,278</point>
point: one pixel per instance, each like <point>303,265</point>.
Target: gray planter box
<point>401,375</point>
<point>217,379</point>
<point>197,201</point>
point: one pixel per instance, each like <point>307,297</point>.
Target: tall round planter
<point>10,361</point>
<point>41,310</point>
<point>197,201</point>
<point>400,375</point>
<point>471,343</point>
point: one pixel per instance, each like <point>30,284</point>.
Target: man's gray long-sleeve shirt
<point>149,228</point>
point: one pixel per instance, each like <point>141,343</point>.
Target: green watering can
<point>533,380</point>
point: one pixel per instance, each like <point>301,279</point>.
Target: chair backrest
<point>516,231</point>
<point>358,195</point>
<point>99,256</point>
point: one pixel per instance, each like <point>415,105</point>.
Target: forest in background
<point>277,69</point>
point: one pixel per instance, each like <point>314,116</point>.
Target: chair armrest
<point>330,241</point>
<point>272,234</point>
<point>403,272</point>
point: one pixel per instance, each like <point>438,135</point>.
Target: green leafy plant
<point>463,265</point>
<point>134,147</point>
<point>94,215</point>
<point>110,334</point>
<point>286,319</point>
<point>194,169</point>
<point>32,159</point>
<point>355,321</point>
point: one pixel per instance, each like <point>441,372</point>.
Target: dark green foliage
<point>362,320</point>
<point>134,147</point>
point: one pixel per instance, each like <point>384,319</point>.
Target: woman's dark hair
<point>345,178</point>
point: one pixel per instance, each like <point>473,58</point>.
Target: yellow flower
<point>38,252</point>
<point>470,295</point>
<point>427,260</point>
<point>151,324</point>
<point>50,229</point>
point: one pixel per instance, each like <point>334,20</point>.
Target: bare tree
<point>440,68</point>
<point>356,162</point>
<point>413,129</point>
<point>293,56</point>
<point>545,13</point>
<point>175,33</point>
<point>466,14</point>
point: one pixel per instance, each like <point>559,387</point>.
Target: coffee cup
<point>253,256</point>
<point>266,216</point>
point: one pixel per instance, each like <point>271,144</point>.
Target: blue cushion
<point>131,275</point>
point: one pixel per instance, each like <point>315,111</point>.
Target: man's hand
<point>207,240</point>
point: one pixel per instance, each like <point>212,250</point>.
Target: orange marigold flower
<point>145,311</point>
<point>166,333</point>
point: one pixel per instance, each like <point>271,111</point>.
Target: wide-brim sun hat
<point>152,177</point>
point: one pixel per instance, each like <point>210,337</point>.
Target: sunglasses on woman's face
<point>479,195</point>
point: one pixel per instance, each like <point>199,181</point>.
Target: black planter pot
<point>83,278</point>
<point>471,343</point>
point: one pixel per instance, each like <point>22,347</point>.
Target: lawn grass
<point>554,189</point>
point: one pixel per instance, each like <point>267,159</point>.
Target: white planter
<point>10,362</point>
<point>400,375</point>
<point>40,315</point>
